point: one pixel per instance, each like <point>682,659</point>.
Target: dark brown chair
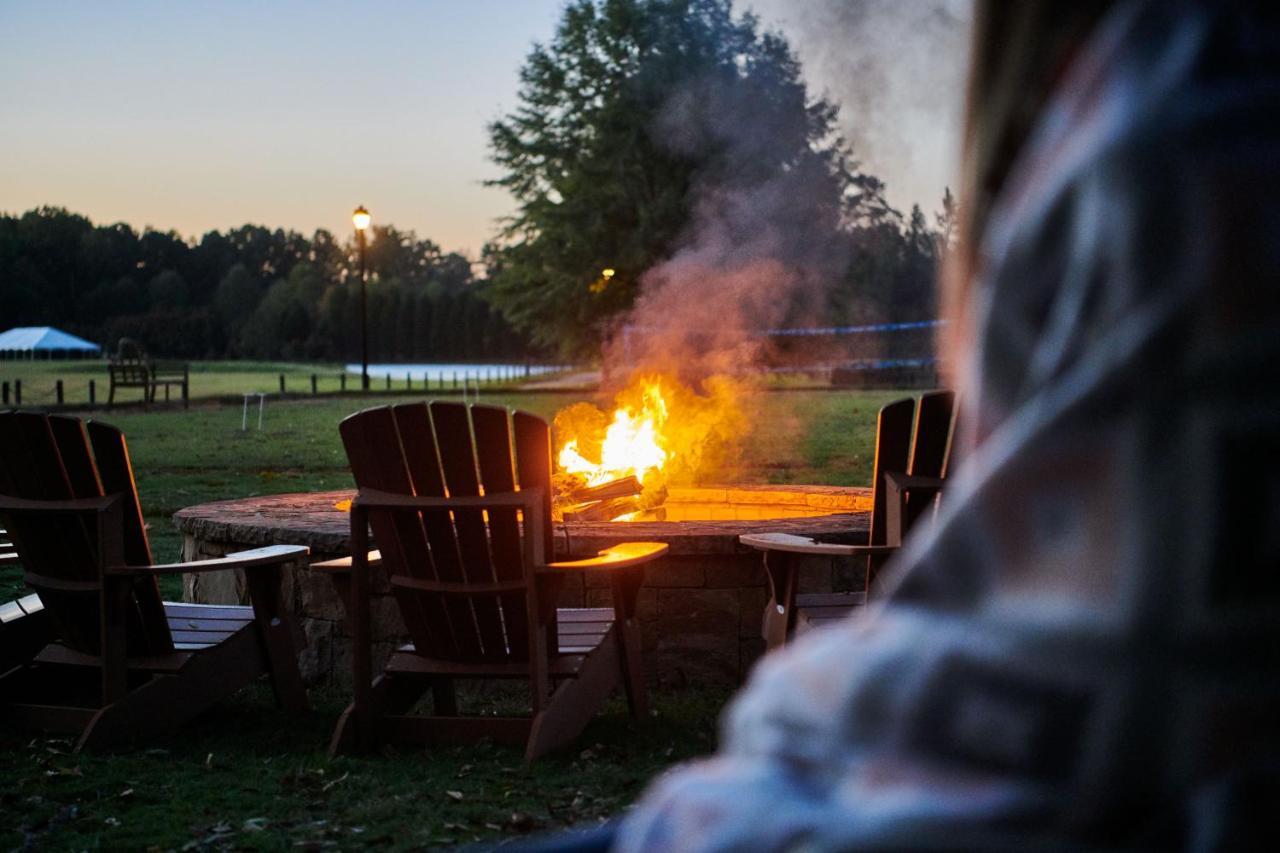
<point>458,500</point>
<point>95,651</point>
<point>913,446</point>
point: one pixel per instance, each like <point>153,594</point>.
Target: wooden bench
<point>149,376</point>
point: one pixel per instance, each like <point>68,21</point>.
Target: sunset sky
<point>195,116</point>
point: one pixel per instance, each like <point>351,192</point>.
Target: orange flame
<point>632,443</point>
<point>660,430</point>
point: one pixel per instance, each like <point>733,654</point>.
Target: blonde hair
<point>1018,53</point>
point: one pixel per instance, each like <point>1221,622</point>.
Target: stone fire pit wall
<point>700,607</point>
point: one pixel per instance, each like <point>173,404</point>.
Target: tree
<point>236,298</point>
<point>618,124</point>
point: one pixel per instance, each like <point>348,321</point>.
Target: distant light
<point>360,218</point>
<point>607,272</point>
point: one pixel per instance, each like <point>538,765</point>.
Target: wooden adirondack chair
<point>458,499</point>
<point>912,455</point>
<point>101,655</point>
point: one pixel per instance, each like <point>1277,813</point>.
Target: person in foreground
<point>1082,653</point>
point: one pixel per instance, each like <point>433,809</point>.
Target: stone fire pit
<point>700,607</point>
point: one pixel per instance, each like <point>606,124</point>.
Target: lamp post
<point>360,218</point>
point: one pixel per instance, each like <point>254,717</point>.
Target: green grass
<point>246,777</point>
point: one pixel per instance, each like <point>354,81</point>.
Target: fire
<point>631,444</point>
<point>659,431</point>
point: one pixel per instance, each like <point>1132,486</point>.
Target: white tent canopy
<point>35,341</point>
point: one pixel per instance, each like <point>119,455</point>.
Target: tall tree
<point>601,172</point>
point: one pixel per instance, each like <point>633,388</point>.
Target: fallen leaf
<point>453,795</point>
<point>254,824</point>
<point>327,785</point>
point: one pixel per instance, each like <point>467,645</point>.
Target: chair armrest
<point>342,565</point>
<point>620,556</point>
<point>897,486</point>
<point>804,545</point>
<point>912,481</point>
<point>269,556</point>
<point>71,505</point>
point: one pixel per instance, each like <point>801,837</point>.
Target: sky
<point>195,116</point>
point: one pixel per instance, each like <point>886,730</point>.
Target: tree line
<point>251,292</point>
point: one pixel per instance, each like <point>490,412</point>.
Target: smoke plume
<point>761,242</point>
<point>896,68</point>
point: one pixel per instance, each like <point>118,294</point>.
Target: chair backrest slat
<point>893,452</point>
<point>929,449</point>
<point>77,458</point>
<point>377,462</point>
<point>110,472</point>
<point>458,461</point>
<point>494,452</point>
<point>533,467</point>
<point>57,458</point>
<point>422,459</point>
<point>115,472</point>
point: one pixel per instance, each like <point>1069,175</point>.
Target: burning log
<point>620,488</point>
<point>605,510</point>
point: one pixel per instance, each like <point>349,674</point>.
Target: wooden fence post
<point>342,381</point>
<point>408,380</point>
<point>281,383</point>
<point>313,385</point>
<point>57,391</point>
<point>4,393</point>
<point>388,380</point>
<point>17,392</point>
<point>93,392</point>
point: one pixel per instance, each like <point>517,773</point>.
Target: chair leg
<point>626,588</point>
<point>388,695</point>
<point>779,613</point>
<point>576,701</point>
<point>275,629</point>
<point>633,669</point>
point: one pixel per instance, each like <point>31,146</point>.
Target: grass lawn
<point>246,777</point>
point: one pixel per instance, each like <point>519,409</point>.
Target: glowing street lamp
<point>360,219</point>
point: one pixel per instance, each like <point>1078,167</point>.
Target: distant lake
<point>447,372</point>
